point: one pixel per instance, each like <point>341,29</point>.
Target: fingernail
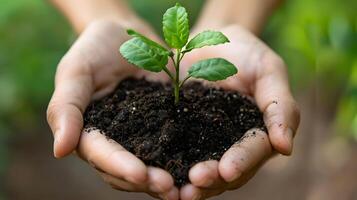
<point>289,134</point>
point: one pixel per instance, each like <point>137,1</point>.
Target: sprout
<point>149,55</point>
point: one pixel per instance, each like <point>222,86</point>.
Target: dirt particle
<point>161,135</point>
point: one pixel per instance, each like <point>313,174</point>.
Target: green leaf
<point>176,27</point>
<point>144,55</point>
<point>133,33</point>
<point>206,38</point>
<point>213,69</point>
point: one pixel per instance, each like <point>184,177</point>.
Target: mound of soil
<point>141,116</point>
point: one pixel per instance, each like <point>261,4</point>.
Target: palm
<point>244,50</point>
<point>261,75</point>
<point>91,69</point>
<point>98,49</point>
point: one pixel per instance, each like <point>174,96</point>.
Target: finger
<point>110,157</point>
<point>120,184</point>
<point>244,155</point>
<point>205,174</point>
<point>244,178</point>
<point>173,194</point>
<point>72,94</point>
<point>281,114</point>
<point>164,192</point>
<point>159,180</point>
<point>190,192</point>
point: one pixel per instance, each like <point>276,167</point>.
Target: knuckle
<point>296,114</point>
<point>278,61</point>
<point>271,60</point>
<point>52,113</point>
<point>271,116</point>
<point>296,110</point>
<point>270,57</point>
<point>67,61</point>
<point>73,63</point>
<point>272,64</point>
<point>71,58</point>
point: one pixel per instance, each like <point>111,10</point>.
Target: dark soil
<point>142,117</point>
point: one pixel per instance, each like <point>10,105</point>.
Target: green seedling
<point>149,55</point>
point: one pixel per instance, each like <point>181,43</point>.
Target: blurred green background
<point>317,39</point>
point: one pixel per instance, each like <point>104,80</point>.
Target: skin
<point>92,68</point>
<point>262,75</point>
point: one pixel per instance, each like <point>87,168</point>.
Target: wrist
<point>250,14</point>
<point>81,23</point>
<point>117,29</point>
<point>82,13</point>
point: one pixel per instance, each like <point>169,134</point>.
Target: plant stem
<point>169,74</point>
<point>184,80</point>
<point>177,79</point>
<point>182,54</point>
<point>177,94</point>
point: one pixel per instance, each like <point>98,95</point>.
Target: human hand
<point>262,75</point>
<point>91,69</point>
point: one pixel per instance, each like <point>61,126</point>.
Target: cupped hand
<point>92,68</point>
<point>262,75</point>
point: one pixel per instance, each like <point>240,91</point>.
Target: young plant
<point>149,55</point>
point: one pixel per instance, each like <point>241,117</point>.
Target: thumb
<point>64,113</point>
<point>281,113</point>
